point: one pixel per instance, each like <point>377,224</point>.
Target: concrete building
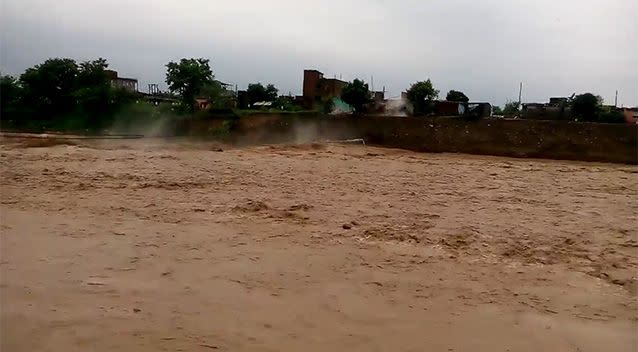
<point>129,84</point>
<point>475,110</point>
<point>558,108</point>
<point>449,108</point>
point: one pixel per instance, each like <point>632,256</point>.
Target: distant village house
<point>558,108</point>
<point>129,84</point>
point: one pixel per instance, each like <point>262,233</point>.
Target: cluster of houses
<point>318,89</point>
<point>559,108</point>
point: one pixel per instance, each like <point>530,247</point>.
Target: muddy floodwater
<point>148,245</point>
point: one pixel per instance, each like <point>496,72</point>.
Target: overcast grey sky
<point>484,48</point>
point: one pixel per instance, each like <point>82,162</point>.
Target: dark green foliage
<point>93,73</point>
<point>271,92</point>
<point>219,96</point>
<point>286,103</point>
<point>496,110</point>
<point>455,95</point>
<point>257,92</point>
<point>10,94</point>
<point>610,115</point>
<point>589,107</point>
<point>422,95</point>
<point>586,107</point>
<point>94,94</point>
<point>357,95</point>
<point>511,108</point>
<point>282,102</point>
<point>97,101</point>
<point>212,90</point>
<point>48,88</point>
<point>60,94</point>
<point>187,78</point>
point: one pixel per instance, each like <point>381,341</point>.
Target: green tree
<point>356,94</point>
<point>422,95</point>
<point>93,73</point>
<point>187,78</point>
<point>60,94</point>
<point>10,94</point>
<point>212,90</point>
<point>610,115</point>
<point>586,107</point>
<point>455,95</point>
<point>219,96</point>
<point>94,94</point>
<point>271,92</point>
<point>49,87</point>
<point>286,103</point>
<point>257,92</point>
<point>511,108</point>
<point>496,110</point>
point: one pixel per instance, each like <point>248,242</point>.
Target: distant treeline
<point>61,93</point>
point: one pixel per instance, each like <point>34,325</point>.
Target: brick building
<point>316,88</point>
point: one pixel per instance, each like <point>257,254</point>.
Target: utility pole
<point>372,82</point>
<point>520,94</point>
<point>616,100</point>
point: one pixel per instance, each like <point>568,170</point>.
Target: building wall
<point>112,75</point>
<point>448,108</point>
<point>454,108</point>
<point>330,88</point>
<point>311,80</point>
<point>126,83</point>
<point>545,112</point>
<point>558,108</point>
<point>129,84</point>
<point>316,88</point>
